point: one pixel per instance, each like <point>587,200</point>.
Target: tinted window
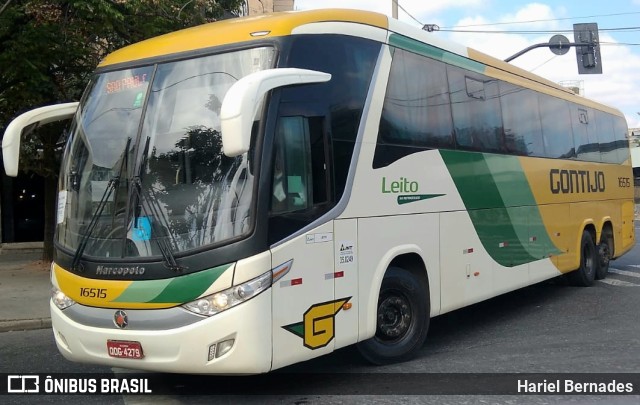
<point>416,107</point>
<point>350,61</point>
<point>476,110</point>
<point>622,144</point>
<point>317,128</point>
<point>556,127</point>
<point>521,120</point>
<point>606,137</point>
<point>584,133</point>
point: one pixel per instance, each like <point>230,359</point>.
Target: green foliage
<point>48,49</point>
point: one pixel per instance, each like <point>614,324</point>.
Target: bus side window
<point>557,132</point>
<point>475,106</point>
<point>521,120</point>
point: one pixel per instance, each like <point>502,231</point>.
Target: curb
<point>25,324</point>
<point>21,248</point>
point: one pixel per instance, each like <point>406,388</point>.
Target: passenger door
<point>303,291</point>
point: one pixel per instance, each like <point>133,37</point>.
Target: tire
<point>586,273</point>
<point>604,251</point>
<point>402,319</point>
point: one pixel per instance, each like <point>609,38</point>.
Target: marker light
<point>60,299</point>
<point>223,300</point>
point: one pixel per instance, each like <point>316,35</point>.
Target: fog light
<point>223,347</point>
<point>63,341</point>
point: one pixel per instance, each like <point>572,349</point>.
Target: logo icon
<point>23,384</point>
<point>120,319</point>
<point>318,326</point>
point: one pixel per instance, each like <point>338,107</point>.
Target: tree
<point>49,48</point>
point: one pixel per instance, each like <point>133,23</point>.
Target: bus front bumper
<point>181,350</point>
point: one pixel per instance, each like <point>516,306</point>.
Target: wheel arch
<point>409,257</point>
<point>607,229</point>
<point>587,225</point>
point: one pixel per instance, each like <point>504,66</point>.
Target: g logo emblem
<point>318,326</point>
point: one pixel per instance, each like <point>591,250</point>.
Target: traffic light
<point>588,50</point>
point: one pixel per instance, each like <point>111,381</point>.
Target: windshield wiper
<point>157,219</point>
<point>113,184</point>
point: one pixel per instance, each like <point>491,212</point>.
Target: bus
<point>252,193</point>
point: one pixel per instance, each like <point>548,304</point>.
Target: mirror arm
<point>25,123</point>
<point>241,103</point>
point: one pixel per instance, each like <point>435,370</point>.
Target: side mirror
<point>241,103</point>
<point>24,124</point>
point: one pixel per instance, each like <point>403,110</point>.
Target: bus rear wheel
<point>402,319</point>
<point>605,252</point>
<point>586,273</point>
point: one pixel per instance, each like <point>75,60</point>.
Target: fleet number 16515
<point>93,292</point>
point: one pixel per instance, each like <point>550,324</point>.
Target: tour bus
<point>251,193</point>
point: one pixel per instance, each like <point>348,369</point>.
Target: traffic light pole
<point>550,46</point>
<point>587,48</point>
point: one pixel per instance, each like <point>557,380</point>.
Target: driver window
<point>292,179</point>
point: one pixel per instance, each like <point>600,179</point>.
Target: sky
<point>619,30</point>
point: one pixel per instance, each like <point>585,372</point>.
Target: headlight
<point>223,300</point>
<point>60,299</point>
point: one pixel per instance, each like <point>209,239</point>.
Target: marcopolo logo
<point>120,271</point>
<point>402,187</point>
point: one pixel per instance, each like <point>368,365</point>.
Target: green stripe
<point>295,328</point>
<point>501,206</point>
<point>143,291</point>
<point>473,179</point>
<point>430,51</point>
<point>409,198</point>
<point>494,227</point>
<point>510,180</point>
<point>174,290</point>
<point>515,191</point>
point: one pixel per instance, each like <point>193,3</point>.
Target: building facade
<point>255,7</point>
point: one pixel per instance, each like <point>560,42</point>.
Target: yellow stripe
<point>237,30</point>
<point>566,215</point>
<point>72,286</point>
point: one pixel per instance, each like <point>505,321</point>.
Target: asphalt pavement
<point>25,290</point>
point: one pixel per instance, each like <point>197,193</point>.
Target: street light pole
<point>394,9</point>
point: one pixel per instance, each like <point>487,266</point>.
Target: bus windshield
<point>144,168</point>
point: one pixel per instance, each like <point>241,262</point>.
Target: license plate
<point>124,349</point>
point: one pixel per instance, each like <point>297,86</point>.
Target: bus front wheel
<point>584,276</point>
<point>402,319</point>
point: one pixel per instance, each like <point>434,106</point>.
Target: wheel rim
<point>394,317</point>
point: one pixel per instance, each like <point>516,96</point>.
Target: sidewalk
<point>24,290</point>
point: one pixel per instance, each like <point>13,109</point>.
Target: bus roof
<point>245,29</point>
<point>238,30</point>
